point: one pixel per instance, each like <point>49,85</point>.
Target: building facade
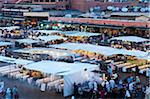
<point>81,5</point>
<point>53,4</point>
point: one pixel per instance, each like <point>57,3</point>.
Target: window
<point>47,0</point>
<point>41,0</point>
<point>35,0</point>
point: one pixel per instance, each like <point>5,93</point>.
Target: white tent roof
<point>10,28</point>
<point>50,38</point>
<point>130,38</point>
<point>78,33</point>
<point>16,61</point>
<point>50,51</point>
<point>59,68</point>
<point>147,57</point>
<point>28,41</point>
<point>47,31</point>
<point>5,43</point>
<point>100,49</point>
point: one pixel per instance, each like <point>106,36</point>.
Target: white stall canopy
<point>5,43</point>
<point>60,68</point>
<point>10,28</point>
<point>15,61</point>
<point>108,51</point>
<point>72,72</point>
<point>56,53</point>
<point>78,33</point>
<point>47,31</point>
<point>27,41</point>
<point>51,38</point>
<point>130,39</point>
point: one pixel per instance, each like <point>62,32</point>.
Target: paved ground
<point>27,91</point>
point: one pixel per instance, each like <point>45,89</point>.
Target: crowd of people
<point>111,86</point>
<point>8,93</point>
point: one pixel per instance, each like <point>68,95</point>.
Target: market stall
<point>9,28</point>
<point>14,67</point>
<point>46,32</point>
<point>4,46</point>
<point>70,72</point>
<point>10,32</point>
<point>45,54</point>
<point>27,43</point>
<point>129,59</point>
<point>130,42</point>
<point>77,36</point>
<point>14,60</point>
<point>52,39</point>
<point>104,50</point>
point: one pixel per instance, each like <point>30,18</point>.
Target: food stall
<point>77,36</point>
<point>52,39</point>
<point>44,54</point>
<point>14,60</point>
<point>66,74</point>
<point>131,58</point>
<point>46,32</point>
<point>9,28</point>
<point>130,42</point>
<point>11,32</point>
<point>23,43</point>
<point>4,46</point>
<point>104,50</point>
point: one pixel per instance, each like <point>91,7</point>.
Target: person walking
<point>112,83</point>
<point>15,92</point>
<point>8,93</point>
<point>1,86</point>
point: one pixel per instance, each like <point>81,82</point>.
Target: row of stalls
<point>74,36</point>
<point>27,43</point>
<point>37,54</point>
<point>11,32</point>
<point>53,37</point>
<point>5,46</point>
<point>130,59</point>
<point>44,75</point>
<point>130,42</point>
<point>82,37</point>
